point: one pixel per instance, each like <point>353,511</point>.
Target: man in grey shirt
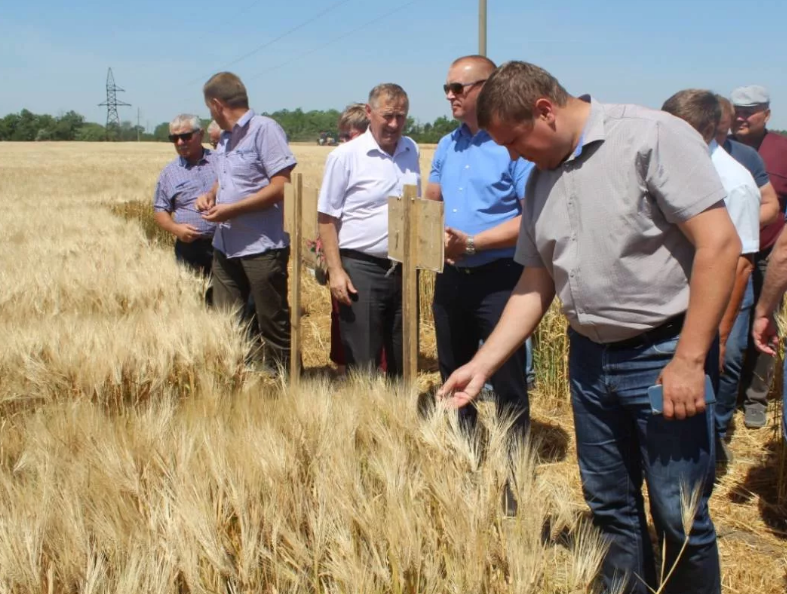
<point>625,221</point>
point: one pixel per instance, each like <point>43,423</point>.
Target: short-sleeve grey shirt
<point>604,223</point>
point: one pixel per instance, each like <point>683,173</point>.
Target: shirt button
<point>456,210</point>
<point>460,189</point>
<point>467,166</point>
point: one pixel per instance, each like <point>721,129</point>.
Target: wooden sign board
<point>309,228</point>
<point>415,238</point>
<point>428,217</point>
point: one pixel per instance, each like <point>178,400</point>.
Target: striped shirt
<point>604,223</point>
<point>249,155</point>
<point>179,186</point>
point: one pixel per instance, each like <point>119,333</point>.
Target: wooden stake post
<point>415,238</point>
<point>300,221</point>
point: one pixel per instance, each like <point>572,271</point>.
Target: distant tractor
<point>327,139</point>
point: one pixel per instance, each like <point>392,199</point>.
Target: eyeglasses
<point>185,137</point>
<point>745,113</point>
<point>458,88</point>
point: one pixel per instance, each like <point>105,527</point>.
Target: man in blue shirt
<point>251,248</point>
<point>482,189</point>
<point>181,182</point>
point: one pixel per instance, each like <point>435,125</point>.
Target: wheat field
<point>138,454</point>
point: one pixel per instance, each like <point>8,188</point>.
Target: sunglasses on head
<point>185,137</point>
<point>458,88</point>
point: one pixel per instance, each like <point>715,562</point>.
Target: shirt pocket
<point>185,194</point>
<point>243,163</point>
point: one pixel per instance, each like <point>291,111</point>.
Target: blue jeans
<point>620,443</point>
<point>730,380</point>
<point>530,372</point>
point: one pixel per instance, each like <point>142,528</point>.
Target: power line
<point>282,36</point>
<point>334,40</point>
<point>234,18</point>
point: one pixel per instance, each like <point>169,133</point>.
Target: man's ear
<point>214,103</point>
<point>544,109</point>
<point>709,133</point>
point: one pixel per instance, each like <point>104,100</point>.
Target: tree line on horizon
<point>299,125</point>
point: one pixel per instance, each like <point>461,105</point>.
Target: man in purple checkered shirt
<point>251,248</point>
<point>181,182</point>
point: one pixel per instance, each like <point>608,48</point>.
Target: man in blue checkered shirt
<point>181,182</point>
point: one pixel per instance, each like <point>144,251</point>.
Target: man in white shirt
<point>359,178</point>
<point>702,110</point>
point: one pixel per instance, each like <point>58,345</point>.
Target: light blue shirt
<point>248,157</point>
<point>481,186</point>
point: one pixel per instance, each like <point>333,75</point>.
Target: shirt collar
<point>370,144</point>
<point>185,164</point>
<point>464,130</point>
<point>713,146</point>
<point>594,127</point>
<point>245,118</point>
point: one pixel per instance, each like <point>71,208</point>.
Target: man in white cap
<point>752,112</point>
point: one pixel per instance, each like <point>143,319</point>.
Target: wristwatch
<point>470,246</point>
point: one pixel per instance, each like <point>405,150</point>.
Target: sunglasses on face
<point>185,137</point>
<point>746,112</point>
<point>458,88</point>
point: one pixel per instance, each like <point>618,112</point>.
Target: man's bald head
<point>477,63</point>
<point>465,78</point>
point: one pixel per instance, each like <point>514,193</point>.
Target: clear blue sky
<point>54,55</point>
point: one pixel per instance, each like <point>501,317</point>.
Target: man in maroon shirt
<point>752,112</point>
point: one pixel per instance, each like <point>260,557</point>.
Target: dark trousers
<point>264,277</point>
<point>758,367</point>
<point>197,255</point>
<point>467,306</point>
<point>620,443</point>
<point>374,318</point>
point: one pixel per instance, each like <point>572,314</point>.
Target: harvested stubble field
<point>137,454</point>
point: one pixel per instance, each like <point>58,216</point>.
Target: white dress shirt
<point>359,178</point>
<point>743,197</point>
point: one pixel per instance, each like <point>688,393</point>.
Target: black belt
<point>356,255</point>
<point>483,268</point>
<point>198,241</point>
<point>669,329</point>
